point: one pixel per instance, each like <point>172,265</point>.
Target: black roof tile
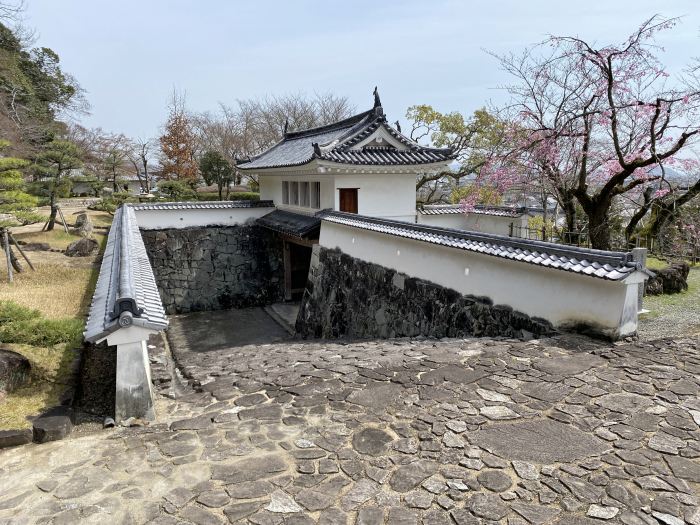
<point>289,223</point>
<point>613,266</point>
<point>334,143</point>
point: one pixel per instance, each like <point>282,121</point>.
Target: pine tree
<point>53,164</point>
<point>14,201</point>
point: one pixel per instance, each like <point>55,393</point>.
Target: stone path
<point>555,431</point>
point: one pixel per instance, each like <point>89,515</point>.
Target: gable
<point>380,138</point>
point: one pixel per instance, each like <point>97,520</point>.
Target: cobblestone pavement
<point>556,431</point>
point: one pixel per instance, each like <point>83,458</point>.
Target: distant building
<point>503,220</point>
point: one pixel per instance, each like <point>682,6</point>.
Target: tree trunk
<point>144,161</point>
<point>54,212</point>
<point>596,209</point>
<point>13,259</point>
<point>668,210</point>
<point>221,192</point>
<point>568,204</point>
<point>599,228</point>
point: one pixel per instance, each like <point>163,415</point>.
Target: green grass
<point>22,325</point>
<point>49,345</point>
<point>659,305</point>
<point>656,264</point>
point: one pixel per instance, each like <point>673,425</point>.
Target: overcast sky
<point>129,54</point>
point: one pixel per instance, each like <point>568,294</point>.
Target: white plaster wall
<point>472,222</point>
<point>270,188</point>
<point>560,297</point>
<point>389,196</point>
<point>159,219</point>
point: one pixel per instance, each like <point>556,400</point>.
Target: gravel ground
<point>673,315</point>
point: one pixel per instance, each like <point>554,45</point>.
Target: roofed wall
<point>585,293</point>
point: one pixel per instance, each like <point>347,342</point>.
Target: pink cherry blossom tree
<point>594,123</point>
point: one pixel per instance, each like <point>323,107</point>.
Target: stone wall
<point>215,267</point>
<point>98,376</point>
<point>347,297</point>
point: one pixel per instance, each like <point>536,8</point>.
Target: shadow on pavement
<point>209,331</point>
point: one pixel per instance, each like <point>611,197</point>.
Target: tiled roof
<point>613,266</point>
<point>334,143</point>
<point>295,224</point>
<point>126,293</point>
<point>479,209</point>
<point>202,205</point>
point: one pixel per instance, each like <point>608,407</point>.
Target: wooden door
<point>348,200</point>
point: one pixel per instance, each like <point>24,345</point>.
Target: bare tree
<point>251,126</point>
<point>139,154</point>
<point>11,11</point>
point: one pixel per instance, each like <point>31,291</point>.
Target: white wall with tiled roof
<point>500,225</point>
<point>157,219</point>
<point>562,298</point>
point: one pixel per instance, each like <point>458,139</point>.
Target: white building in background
<point>358,165</point>
<point>502,220</point>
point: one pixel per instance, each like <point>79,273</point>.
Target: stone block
<point>13,438</point>
<point>52,428</point>
<point>14,370</point>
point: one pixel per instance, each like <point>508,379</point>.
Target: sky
<point>129,55</point>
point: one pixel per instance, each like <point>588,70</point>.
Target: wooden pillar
<point>8,255</point>
<point>287,271</point>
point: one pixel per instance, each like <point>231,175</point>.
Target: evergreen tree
<point>53,165</point>
<point>14,201</point>
<point>216,170</point>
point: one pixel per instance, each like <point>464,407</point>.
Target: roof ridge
<point>347,122</point>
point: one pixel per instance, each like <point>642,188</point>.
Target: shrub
<point>174,190</point>
<point>11,311</point>
<point>111,203</point>
<point>29,217</point>
<point>22,325</point>
<point>234,196</point>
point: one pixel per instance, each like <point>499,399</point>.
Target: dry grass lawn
<point>61,287</point>
<point>58,239</point>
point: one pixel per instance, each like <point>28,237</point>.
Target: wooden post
<point>21,251</point>
<point>287,271</point>
<point>63,219</point>
<point>6,242</point>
